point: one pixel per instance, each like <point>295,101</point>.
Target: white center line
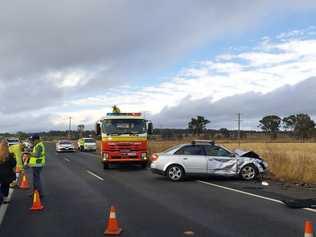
<point>95,175</point>
<point>250,194</point>
<point>3,207</point>
<point>66,159</point>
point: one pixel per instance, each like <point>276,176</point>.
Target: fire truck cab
<point>124,138</point>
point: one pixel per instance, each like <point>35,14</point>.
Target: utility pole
<point>238,120</point>
<point>69,128</point>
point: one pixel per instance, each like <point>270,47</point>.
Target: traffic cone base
<point>24,182</point>
<point>117,232</point>
<point>37,205</point>
<point>308,232</point>
<point>113,225</point>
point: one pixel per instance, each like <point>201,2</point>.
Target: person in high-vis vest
<point>17,149</point>
<point>81,144</point>
<point>37,161</point>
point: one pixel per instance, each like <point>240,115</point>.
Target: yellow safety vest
<point>38,161</point>
<point>81,142</point>
<point>17,151</point>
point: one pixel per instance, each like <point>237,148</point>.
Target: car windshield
<point>89,140</point>
<point>65,143</point>
<point>123,126</point>
<point>12,140</point>
<point>170,149</point>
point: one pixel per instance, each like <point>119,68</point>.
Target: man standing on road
<point>37,161</point>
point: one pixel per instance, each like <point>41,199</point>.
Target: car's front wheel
<point>175,172</point>
<point>248,172</point>
<point>105,166</point>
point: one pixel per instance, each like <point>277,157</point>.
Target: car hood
<point>245,153</point>
<point>65,145</point>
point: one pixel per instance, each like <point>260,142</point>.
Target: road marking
<point>250,194</point>
<point>90,154</point>
<point>3,207</point>
<point>95,175</point>
<point>66,159</point>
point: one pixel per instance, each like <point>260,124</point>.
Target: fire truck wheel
<point>105,166</point>
<point>144,166</point>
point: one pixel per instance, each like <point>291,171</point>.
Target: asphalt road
<point>78,194</point>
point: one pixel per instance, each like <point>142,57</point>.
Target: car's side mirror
<point>98,129</point>
<point>232,155</point>
<point>150,128</point>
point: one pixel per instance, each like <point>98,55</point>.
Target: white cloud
<point>271,64</point>
<point>262,70</point>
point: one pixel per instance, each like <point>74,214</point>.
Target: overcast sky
<point>170,59</point>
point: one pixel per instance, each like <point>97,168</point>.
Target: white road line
<point>3,207</point>
<point>310,209</point>
<point>95,175</point>
<point>250,194</point>
<point>66,159</point>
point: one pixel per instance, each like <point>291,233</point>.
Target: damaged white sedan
<point>207,158</point>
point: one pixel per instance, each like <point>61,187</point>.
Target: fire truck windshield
<point>123,126</point>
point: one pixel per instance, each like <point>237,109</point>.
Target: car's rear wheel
<point>249,172</point>
<point>175,172</point>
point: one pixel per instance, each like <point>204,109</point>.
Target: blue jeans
<point>37,184</point>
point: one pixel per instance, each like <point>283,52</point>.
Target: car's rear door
<point>220,161</point>
<point>194,158</point>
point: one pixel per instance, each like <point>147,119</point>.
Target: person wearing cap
<point>37,161</point>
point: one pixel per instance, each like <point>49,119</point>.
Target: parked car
<point>12,141</point>
<point>27,146</point>
<point>207,158</point>
<point>65,145</point>
<point>87,144</point>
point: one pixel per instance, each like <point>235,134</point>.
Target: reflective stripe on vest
<point>38,161</point>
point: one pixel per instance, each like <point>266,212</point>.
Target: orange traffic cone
<point>113,225</point>
<point>24,182</point>
<point>37,205</point>
<point>308,229</point>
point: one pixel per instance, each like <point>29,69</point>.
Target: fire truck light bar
<point>123,114</point>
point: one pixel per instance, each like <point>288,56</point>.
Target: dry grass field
<point>292,162</point>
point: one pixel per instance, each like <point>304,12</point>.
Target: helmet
<point>34,137</point>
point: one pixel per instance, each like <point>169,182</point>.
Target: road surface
<point>78,194</point>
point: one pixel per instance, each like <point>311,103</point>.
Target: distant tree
<point>289,122</point>
<point>198,125</point>
<point>22,135</point>
<point>80,128</point>
<point>225,132</point>
<point>270,124</point>
<point>167,134</point>
<point>116,109</point>
<point>304,126</point>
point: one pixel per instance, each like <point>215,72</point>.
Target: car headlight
<point>144,156</point>
<point>105,156</point>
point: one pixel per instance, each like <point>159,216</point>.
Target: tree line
<point>299,125</point>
